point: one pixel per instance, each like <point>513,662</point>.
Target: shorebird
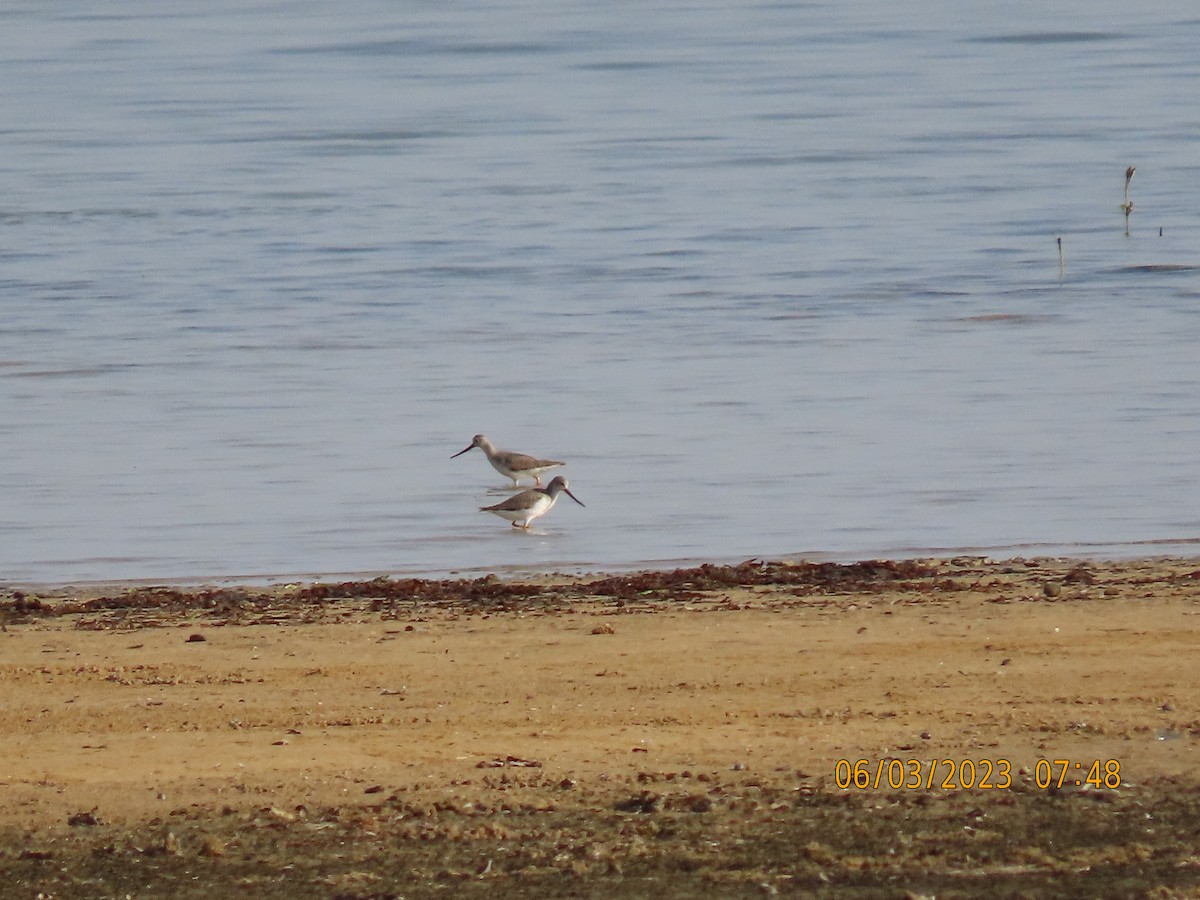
<point>1127,206</point>
<point>512,465</point>
<point>521,509</point>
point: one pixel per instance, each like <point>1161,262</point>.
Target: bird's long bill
<point>461,452</point>
<point>567,491</point>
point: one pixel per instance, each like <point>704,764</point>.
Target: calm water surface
<point>780,280</point>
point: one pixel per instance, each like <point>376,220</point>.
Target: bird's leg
<point>537,480</point>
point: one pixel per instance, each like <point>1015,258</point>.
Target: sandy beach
<point>944,728</point>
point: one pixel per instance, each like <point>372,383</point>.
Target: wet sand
<point>954,727</point>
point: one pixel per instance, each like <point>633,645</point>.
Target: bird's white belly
<point>535,510</point>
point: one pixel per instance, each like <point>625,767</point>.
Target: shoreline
<point>1089,552</point>
<point>682,729</point>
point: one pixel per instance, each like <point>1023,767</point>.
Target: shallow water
<point>775,281</point>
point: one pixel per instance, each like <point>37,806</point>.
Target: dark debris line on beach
<point>819,577</point>
<point>492,594</point>
<point>488,591</point>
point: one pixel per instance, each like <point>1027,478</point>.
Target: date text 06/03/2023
<point>973,774</point>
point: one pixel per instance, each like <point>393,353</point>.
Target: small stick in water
<point>1060,259</point>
